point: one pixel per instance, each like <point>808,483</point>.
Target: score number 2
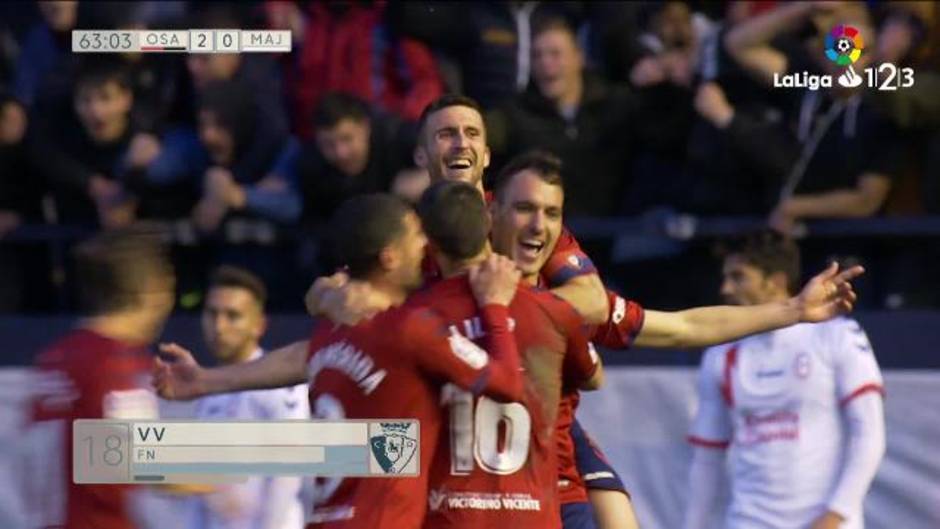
<point>475,433</point>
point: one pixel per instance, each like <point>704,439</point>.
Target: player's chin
<point>529,269</point>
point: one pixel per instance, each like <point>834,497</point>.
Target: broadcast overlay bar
<point>111,451</point>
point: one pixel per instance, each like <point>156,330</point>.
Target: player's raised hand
<point>829,294</point>
<point>494,281</point>
<point>176,374</point>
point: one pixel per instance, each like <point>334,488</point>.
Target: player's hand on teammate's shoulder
<point>829,294</point>
<point>313,299</point>
<point>343,300</point>
<point>176,374</point>
<point>494,281</point>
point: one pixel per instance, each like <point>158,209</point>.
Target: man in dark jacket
<point>573,114</point>
<point>83,156</point>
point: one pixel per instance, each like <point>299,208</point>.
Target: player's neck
<point>393,292</point>
<point>245,354</point>
<point>129,327</point>
<point>451,268</point>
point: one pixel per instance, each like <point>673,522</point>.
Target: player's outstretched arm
<point>586,293</point>
<point>177,376</point>
<point>826,296</point>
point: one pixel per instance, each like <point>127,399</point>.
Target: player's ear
<point>420,157</point>
<point>486,157</point>
<point>262,327</point>
<point>389,258</point>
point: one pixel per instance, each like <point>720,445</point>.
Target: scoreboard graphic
<point>109,451</point>
<point>181,41</point>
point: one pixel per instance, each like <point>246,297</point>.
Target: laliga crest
<point>844,46</point>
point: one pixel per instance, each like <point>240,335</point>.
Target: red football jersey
<point>84,375</point>
<point>496,463</point>
<point>393,366</point>
<point>621,328</point>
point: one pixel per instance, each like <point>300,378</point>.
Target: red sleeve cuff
<point>495,315</point>
<point>707,443</point>
<point>861,390</point>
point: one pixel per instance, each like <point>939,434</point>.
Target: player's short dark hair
<point>543,163</point>
<point>544,24</point>
<point>362,227</point>
<point>337,106</point>
<point>97,72</point>
<point>113,267</point>
<point>769,252</point>
<point>454,218</point>
<point>446,101</point>
<point>227,276</point>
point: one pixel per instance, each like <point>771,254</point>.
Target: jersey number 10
<point>492,435</point>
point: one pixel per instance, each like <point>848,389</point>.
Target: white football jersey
<point>251,505</point>
<point>775,400</point>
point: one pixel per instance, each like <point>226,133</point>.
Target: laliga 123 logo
<point>393,445</point>
<point>844,46</point>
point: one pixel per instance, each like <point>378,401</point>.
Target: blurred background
<point>673,140</point>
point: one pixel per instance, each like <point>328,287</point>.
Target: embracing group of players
<point>475,313</point>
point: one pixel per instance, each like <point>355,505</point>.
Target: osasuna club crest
<point>394,447</point>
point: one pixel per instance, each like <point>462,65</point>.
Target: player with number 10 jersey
<point>497,463</point>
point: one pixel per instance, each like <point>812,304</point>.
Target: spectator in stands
<point>169,157</point>
<point>490,41</point>
<point>847,153</point>
<point>661,63</point>
<point>23,268</point>
<point>43,65</point>
<point>355,151</point>
<point>154,77</point>
<point>83,157</point>
<point>20,190</point>
<point>348,47</point>
<point>228,118</point>
<point>574,114</point>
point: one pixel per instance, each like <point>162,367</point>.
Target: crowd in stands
<point>650,105</point>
